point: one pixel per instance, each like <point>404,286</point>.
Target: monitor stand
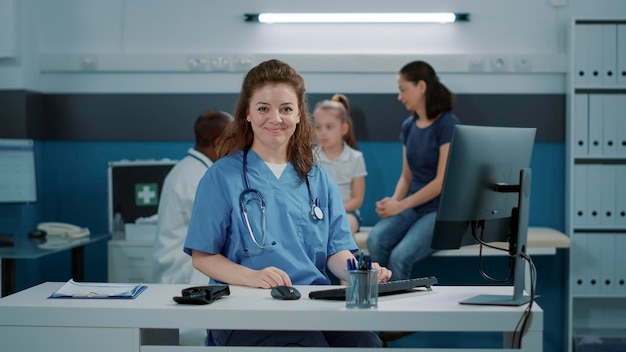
<point>517,246</point>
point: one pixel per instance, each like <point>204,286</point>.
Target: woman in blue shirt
<point>402,237</point>
<point>266,214</point>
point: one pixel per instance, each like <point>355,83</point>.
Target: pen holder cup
<point>362,288</point>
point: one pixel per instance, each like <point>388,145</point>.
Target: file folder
<point>105,290</point>
<point>609,124</point>
<point>607,265</point>
<point>609,54</point>
<point>580,195</point>
<point>578,263</point>
<point>620,264</point>
<point>595,54</point>
<point>581,55</point>
<point>594,196</point>
<point>621,54</point>
<point>593,275</point>
<point>621,121</point>
<point>620,198</point>
<point>580,125</point>
<point>596,129</point>
<point>608,187</point>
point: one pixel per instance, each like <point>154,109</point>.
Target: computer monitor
<point>18,181</point>
<point>485,195</point>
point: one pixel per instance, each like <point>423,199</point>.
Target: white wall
<point>147,45</point>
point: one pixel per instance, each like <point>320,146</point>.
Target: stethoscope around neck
<point>316,211</point>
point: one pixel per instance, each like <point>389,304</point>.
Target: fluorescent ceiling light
<point>347,17</point>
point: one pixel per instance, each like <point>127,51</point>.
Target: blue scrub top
<point>302,243</point>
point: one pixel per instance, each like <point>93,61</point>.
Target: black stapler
<point>202,294</point>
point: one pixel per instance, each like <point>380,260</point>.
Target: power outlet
<point>242,63</point>
<point>476,64</point>
<point>220,63</point>
<point>499,64</point>
<point>89,62</point>
<point>523,64</point>
<point>196,63</point>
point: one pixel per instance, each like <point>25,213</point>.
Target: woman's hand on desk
<point>384,274</point>
<point>269,277</point>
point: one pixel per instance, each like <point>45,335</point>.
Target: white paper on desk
<point>97,290</point>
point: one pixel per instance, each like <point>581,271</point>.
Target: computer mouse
<point>285,292</point>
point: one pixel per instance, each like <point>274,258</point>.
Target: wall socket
<point>89,62</point>
<point>499,64</point>
<point>523,64</point>
<point>196,62</point>
<point>476,64</point>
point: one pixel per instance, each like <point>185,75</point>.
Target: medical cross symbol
<point>146,194</point>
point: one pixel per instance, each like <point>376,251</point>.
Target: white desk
<point>31,322</point>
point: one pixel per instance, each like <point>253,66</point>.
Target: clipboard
<point>98,290</point>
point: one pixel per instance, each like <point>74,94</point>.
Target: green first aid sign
<point>146,194</point>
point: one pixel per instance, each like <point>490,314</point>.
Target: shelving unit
<point>596,181</point>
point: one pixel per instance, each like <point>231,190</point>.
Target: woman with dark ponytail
<point>402,237</point>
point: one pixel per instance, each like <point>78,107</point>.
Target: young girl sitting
<point>338,154</point>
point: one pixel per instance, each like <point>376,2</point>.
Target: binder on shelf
<point>594,197</point>
<point>578,262</point>
<point>593,275</point>
<point>609,54</point>
<point>620,197</point>
<point>595,54</point>
<point>581,55</point>
<point>580,125</point>
<point>596,129</point>
<point>621,119</point>
<point>620,264</point>
<point>621,54</point>
<point>607,187</point>
<point>607,265</point>
<point>609,127</point>
<point>580,195</point>
<point>98,290</point>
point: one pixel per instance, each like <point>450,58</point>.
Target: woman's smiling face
<point>274,115</point>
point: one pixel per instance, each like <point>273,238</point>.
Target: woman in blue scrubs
<point>266,214</point>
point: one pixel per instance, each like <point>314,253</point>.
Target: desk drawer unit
<point>130,261</point>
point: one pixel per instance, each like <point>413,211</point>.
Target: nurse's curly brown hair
<point>239,135</point>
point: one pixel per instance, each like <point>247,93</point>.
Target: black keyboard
<point>384,288</point>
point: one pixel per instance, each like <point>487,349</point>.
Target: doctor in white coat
<point>170,264</point>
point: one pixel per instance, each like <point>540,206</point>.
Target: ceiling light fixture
<point>347,17</point>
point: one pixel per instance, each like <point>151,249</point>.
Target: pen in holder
<point>362,288</point>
